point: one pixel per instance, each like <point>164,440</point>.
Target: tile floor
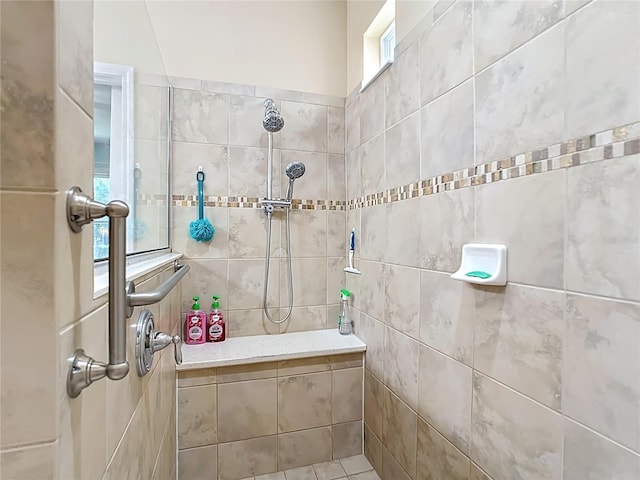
<point>351,468</point>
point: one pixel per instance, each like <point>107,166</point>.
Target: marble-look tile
<point>241,323</point>
<point>335,130</point>
<point>527,215</point>
<point>571,6</point>
<point>402,299</point>
<point>444,396</point>
<point>372,296</point>
<point>308,233</point>
<point>301,473</point>
<point>226,87</point>
<point>403,233</point>
<point>28,68</point>
<point>371,331</point>
<point>247,458</point>
<point>373,403</point>
<point>518,339</point>
<point>520,99</point>
<point>409,12</point>
<point>604,197</point>
<point>602,83</point>
<point>402,86</point>
<point>335,282</point>
<point>200,117</point>
<point>245,122</point>
<point>446,52</point>
<point>304,401</point>
<point>194,378</point>
<point>476,473</point>
<point>28,279</point>
<point>246,283</point>
<point>354,173</point>
<point>197,422</point>
<point>187,83</point>
<point>203,274</point>
<point>352,125</point>
<point>437,458</point>
<point>269,476</point>
<point>347,439</point>
<point>440,7</point>
<point>346,395</point>
<point>308,289</point>
<point>336,233</point>
<point>329,470</point>
<point>447,223</point>
<point>248,233</point>
<point>198,463</point>
<point>391,469</point>
<point>512,435</point>
<point>150,112</point>
<point>303,365</point>
<point>371,105</point>
<point>247,409</point>
<point>446,315</point>
<point>248,172</point>
<point>370,475</point>
<point>501,27</point>
<point>305,127</point>
<point>356,464</point>
<point>446,132</point>
<point>590,456</point>
<point>402,152</point>
<point>217,247</point>
<point>373,241</point>
<point>399,431</point>
<point>242,373</point>
<point>401,366</point>
<point>601,384</point>
<point>372,166</point>
<point>300,97</point>
<point>188,157</point>
<point>373,449</point>
<point>305,447</point>
<point>30,463</point>
<point>348,360</point>
<point>336,177</point>
<point>313,184</point>
<point>304,319</point>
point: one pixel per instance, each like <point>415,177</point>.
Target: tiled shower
<point>499,122</point>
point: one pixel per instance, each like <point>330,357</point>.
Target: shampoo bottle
<point>215,322</point>
<point>195,324</point>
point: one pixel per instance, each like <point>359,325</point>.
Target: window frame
<point>388,44</point>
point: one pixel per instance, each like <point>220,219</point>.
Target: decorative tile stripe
<point>254,202</point>
<point>606,145</point>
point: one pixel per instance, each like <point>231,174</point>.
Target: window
<point>378,44</point>
<point>388,44</point>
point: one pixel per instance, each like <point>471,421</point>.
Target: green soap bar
<point>478,274</point>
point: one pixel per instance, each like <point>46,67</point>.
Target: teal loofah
<point>201,230</point>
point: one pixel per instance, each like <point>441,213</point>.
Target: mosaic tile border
<point>606,145</point>
<point>254,202</point>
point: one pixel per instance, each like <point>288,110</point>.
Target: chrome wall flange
<point>149,341</point>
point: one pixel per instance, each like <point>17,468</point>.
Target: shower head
<point>272,121</point>
<point>294,170</point>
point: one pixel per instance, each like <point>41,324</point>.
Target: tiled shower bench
<point>261,404</point>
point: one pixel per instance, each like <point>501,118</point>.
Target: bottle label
<point>215,331</point>
<point>195,332</point>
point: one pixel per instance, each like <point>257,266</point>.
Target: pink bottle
<point>195,324</point>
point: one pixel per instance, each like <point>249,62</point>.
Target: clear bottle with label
<point>195,324</point>
<point>216,328</point>
<point>345,324</point>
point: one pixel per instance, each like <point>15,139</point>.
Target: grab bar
<point>149,298</point>
<point>83,369</point>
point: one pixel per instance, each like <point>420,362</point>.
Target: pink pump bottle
<point>195,324</point>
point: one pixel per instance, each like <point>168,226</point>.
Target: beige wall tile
<point>248,168</point>
<point>521,98</point>
<point>217,247</point>
<point>399,430</point>
<point>313,184</point>
<point>346,395</point>
<point>29,463</point>
<point>200,117</point>
<point>354,174</point>
<point>246,283</point>
<point>604,197</point>
<point>247,409</point>
<point>335,282</point>
<point>247,458</point>
<point>214,159</point>
<point>402,152</point>
<point>403,233</point>
<point>371,332</point>
<point>150,119</point>
<point>437,458</point>
<point>245,125</point>
<point>372,167</point>
<point>242,323</point>
<point>303,319</point>
<point>511,433</point>
<point>205,275</point>
<point>347,439</point>
<point>518,339</point>
<point>532,227</point>
<point>308,289</point>
<point>335,130</point>
<point>373,449</point>
<point>303,365</point>
<point>402,86</point>
<point>401,365</point>
<point>371,106</point>
<point>476,473</point>
<point>372,296</point>
<point>305,447</point>
<point>198,463</point>
<point>308,233</point>
<point>336,234</point>
<point>446,315</point>
<point>248,233</point>
<point>352,125</point>
<point>304,401</point>
<point>373,241</point>
<point>602,373</point>
<point>444,396</point>
<point>590,456</point>
<point>346,360</point>
<point>241,373</point>
<point>402,299</point>
<point>305,127</point>
<point>373,403</point>
<point>336,177</point>
<point>596,64</point>
<point>391,469</point>
<point>197,412</point>
<point>446,53</point>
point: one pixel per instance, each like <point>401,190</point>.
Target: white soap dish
<point>484,264</point>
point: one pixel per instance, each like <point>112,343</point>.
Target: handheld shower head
<point>294,170</point>
<point>272,121</point>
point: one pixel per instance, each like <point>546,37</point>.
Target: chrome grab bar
<point>149,298</point>
<point>84,370</point>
